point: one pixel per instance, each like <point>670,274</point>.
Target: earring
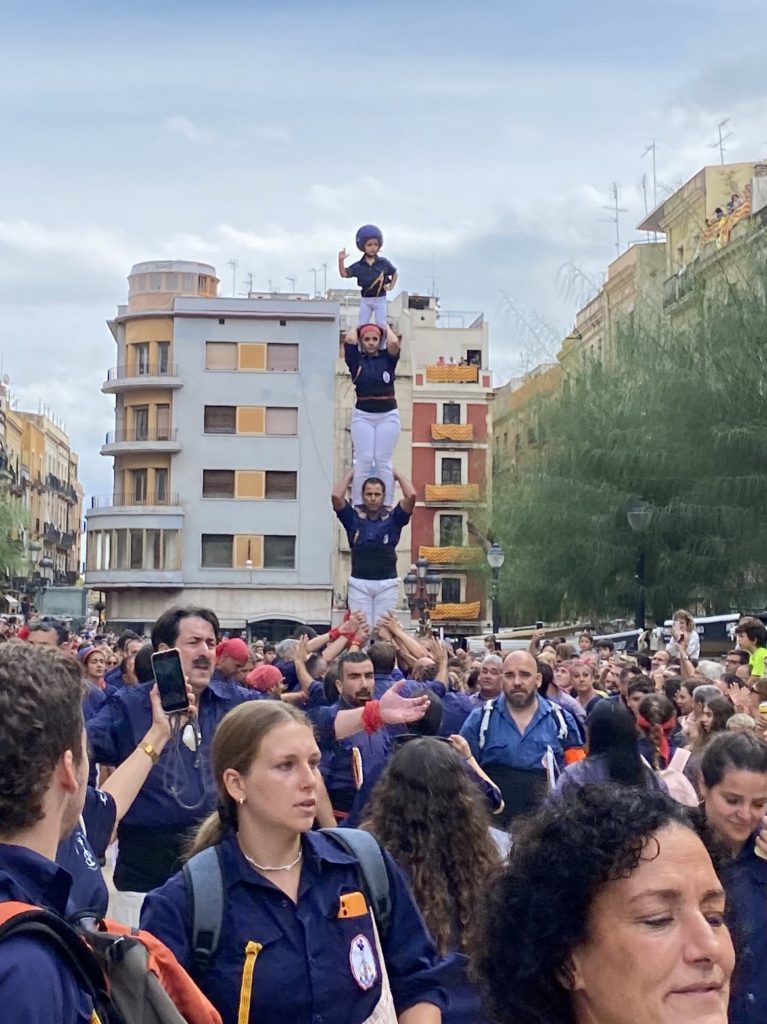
<point>242,800</point>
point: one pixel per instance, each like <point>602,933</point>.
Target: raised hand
<point>398,710</point>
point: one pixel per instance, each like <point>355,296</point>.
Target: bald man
<point>519,738</point>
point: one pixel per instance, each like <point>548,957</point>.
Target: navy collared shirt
<point>745,883</point>
<point>81,853</point>
<point>373,541</point>
<point>371,277</point>
<point>307,971</point>
<point>373,378</point>
<point>36,985</point>
<point>336,763</point>
<point>505,745</point>
<point>123,722</point>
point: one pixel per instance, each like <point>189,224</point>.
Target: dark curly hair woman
<point>609,912</point>
<point>427,812</point>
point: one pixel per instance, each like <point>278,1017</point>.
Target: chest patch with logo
<point>363,962</point>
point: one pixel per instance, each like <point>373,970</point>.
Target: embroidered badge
<point>363,962</point>
<point>85,852</point>
<point>386,377</point>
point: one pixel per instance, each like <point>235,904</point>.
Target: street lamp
<point>639,514</point>
<point>495,559</point>
<point>421,589</point>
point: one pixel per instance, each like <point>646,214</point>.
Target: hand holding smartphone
<point>171,682</point>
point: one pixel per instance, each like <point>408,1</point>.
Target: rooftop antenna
<point>234,264</point>
<point>313,270</point>
<point>249,281</point>
<point>271,287</point>
<point>292,281</point>
<point>616,212</point>
<point>433,291</point>
<point>651,148</point>
<point>324,279</point>
<point>722,139</point>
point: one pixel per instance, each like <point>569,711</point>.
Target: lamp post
<point>495,559</point>
<point>639,515</point>
<point>421,589</point>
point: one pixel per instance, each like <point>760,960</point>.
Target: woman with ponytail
<point>298,940</point>
<point>656,722</point>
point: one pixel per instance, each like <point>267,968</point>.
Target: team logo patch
<point>363,962</point>
<point>386,377</point>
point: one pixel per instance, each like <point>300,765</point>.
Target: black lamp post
<point>639,515</point>
<point>495,559</point>
<point>421,589</point>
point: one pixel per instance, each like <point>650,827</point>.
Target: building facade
<point>223,454</point>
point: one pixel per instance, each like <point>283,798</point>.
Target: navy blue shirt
<point>373,542</point>
<point>144,861</point>
<point>505,745</point>
<point>745,883</point>
<point>373,378</point>
<point>371,277</point>
<point>304,972</point>
<point>83,850</point>
<point>36,985</point>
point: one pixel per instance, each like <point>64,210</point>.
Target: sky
<point>483,139</point>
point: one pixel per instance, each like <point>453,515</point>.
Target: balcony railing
<point>452,555</point>
<point>676,287</point>
<point>468,611</point>
<point>129,498</point>
<point>54,484</point>
<point>452,431</point>
<point>51,533</point>
<point>142,370</point>
<point>451,492</point>
<point>122,436</point>
<point>452,373</point>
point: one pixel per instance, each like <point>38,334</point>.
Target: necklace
<point>280,867</point>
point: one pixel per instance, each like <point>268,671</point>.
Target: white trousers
<point>373,310</point>
<point>374,435</point>
<point>125,907</point>
<point>373,597</point>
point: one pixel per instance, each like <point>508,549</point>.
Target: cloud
<point>93,247</point>
<point>271,132</point>
<point>188,129</point>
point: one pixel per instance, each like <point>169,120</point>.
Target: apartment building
<point>223,454</point>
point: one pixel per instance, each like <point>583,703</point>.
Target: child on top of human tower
<point>374,274</point>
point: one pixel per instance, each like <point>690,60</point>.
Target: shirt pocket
<point>356,952</point>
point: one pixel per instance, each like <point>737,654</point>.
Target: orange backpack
<point>131,976</point>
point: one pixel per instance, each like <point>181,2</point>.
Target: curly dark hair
<point>537,913</point>
<point>41,691</point>
<point>426,811</point>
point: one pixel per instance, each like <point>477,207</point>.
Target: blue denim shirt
<point>303,973</point>
<point>745,883</point>
<point>36,986</point>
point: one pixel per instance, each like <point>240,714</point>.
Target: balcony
<point>51,533</point>
<point>452,373</point>
<point>452,555</point>
<point>132,499</point>
<point>67,540</point>
<point>62,487</point>
<point>455,432</point>
<point>122,442</point>
<point>466,612</point>
<point>147,375</point>
<point>676,287</point>
<point>444,494</point>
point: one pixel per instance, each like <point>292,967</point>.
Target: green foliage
<point>680,421</point>
<point>13,519</point>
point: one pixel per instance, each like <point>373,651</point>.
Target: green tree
<point>13,520</point>
<point>678,419</point>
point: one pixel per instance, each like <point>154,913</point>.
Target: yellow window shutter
<point>249,483</point>
<point>251,419</point>
<point>248,546</point>
<point>252,356</point>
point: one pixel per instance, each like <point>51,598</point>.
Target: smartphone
<point>171,684</point>
<point>539,624</point>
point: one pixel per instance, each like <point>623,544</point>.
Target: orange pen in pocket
<point>352,904</point>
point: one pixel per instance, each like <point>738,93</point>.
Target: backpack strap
<point>563,730</point>
<point>372,869</point>
<point>34,922</point>
<point>205,881</point>
<point>485,723</point>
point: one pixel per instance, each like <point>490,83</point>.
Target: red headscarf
<point>263,678</point>
<point>235,649</point>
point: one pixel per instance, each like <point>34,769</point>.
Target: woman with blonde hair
<point>298,941</point>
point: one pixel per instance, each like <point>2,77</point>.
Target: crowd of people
<point>541,819</point>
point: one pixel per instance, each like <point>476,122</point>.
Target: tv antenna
<point>616,211</point>
<point>313,270</point>
<point>234,264</point>
<point>722,139</point>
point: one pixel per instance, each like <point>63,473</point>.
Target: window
<point>451,471</point>
<point>450,531</point>
<point>279,552</point>
<point>138,485</point>
<point>474,356</point>
<point>153,550</point>
<point>451,412</point>
<point>142,359</point>
<point>282,358</point>
<point>281,485</point>
<point>217,550</point>
<point>451,590</point>
<point>218,483</point>
<point>281,421</point>
<point>220,419</point>
<point>163,357</point>
<point>163,422</point>
<point>532,437</point>
<point>136,549</point>
<point>140,422</point>
<point>220,355</point>
<point>161,486</point>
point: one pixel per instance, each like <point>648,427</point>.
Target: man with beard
<point>353,733</point>
<point>179,791</point>
<point>521,739</point>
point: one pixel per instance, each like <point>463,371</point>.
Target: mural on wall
<point>719,227</point>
